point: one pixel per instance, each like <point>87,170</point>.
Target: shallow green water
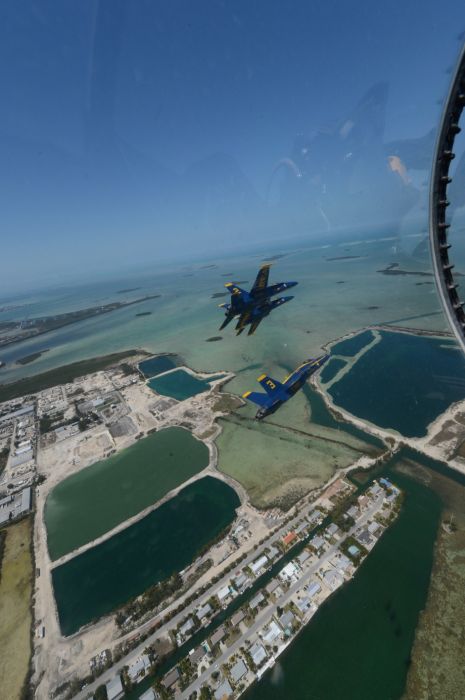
<point>180,384</point>
<point>403,382</point>
<point>167,540</point>
<point>357,646</point>
<point>96,499</point>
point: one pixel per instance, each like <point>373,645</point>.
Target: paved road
<point>263,619</point>
<point>128,658</point>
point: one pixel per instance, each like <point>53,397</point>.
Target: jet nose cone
<point>291,284</point>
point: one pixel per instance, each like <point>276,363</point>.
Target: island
<point>32,327</point>
<point>30,358</point>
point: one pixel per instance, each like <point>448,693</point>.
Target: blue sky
<point>138,131</point>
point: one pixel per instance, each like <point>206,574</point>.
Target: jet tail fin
<point>257,397</point>
<point>270,385</point>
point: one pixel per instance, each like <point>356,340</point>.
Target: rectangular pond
<point>167,540</point>
<point>87,504</point>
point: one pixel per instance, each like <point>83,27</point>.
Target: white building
<point>258,564</point>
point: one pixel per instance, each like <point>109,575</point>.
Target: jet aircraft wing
<point>270,385</point>
<point>261,281</point>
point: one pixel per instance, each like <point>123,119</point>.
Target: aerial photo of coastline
<point>206,491</point>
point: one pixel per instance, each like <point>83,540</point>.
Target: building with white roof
<point>238,671</point>
<point>258,653</point>
<point>114,688</point>
<point>271,632</point>
<point>288,572</point>
<point>139,668</point>
<point>258,564</point>
<point>223,593</point>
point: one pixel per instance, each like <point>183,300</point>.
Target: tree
<point>101,693</point>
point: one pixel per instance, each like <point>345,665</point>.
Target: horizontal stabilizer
<point>257,397</point>
<point>270,385</point>
<point>234,290</point>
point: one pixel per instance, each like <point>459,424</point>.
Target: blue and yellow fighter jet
<point>253,306</point>
<point>277,393</point>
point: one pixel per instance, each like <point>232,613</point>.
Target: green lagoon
<point>87,504</point>
<point>403,382</point>
<point>96,582</point>
<point>180,384</point>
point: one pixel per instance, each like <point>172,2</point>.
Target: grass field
<point>15,614</point>
<point>61,375</point>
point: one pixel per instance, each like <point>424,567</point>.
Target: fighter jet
<point>252,307</point>
<point>277,393</point>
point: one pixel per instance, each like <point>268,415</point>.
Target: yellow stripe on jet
<point>261,377</point>
<point>247,393</point>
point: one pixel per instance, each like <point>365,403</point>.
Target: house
<point>289,538</point>
<point>204,611</point>
<point>258,653</point>
<point>353,512</point>
<point>240,581</point>
<point>288,572</point>
<point>373,528</point>
<point>303,556</point>
<point>238,671</point>
<point>332,579</point>
<point>223,691</point>
<point>332,530</point>
<point>258,564</point>
<point>364,537</point>
<point>286,620</point>
<point>114,688</point>
<point>218,636</point>
<point>148,695</point>
<point>186,627</point>
<point>223,593</point>
<point>317,542</point>
<point>196,655</point>
<point>271,632</point>
<point>171,678</point>
<point>273,552</point>
<point>272,586</point>
<point>303,604</point>
<point>342,563</point>
<point>139,668</point>
<point>237,618</point>
<point>313,589</point>
<point>257,600</point>
<point>314,516</point>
